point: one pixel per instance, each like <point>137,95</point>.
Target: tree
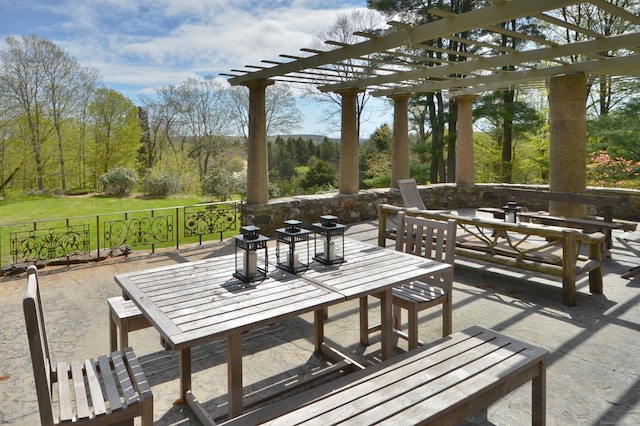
<point>342,32</point>
<point>606,92</point>
<point>430,108</point>
<point>45,87</point>
<point>282,113</point>
<point>322,175</point>
<point>116,131</point>
<point>22,76</point>
<point>508,119</point>
<point>617,133</point>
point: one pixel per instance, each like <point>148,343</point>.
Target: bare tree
<point>282,113</point>
<point>205,114</point>
<point>342,32</point>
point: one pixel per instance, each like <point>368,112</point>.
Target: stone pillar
<point>257,168</point>
<point>465,168</point>
<point>568,141</point>
<point>400,148</point>
<point>349,142</point>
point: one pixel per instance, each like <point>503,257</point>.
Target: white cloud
<point>138,45</point>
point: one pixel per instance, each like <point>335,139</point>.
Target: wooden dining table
<point>198,302</point>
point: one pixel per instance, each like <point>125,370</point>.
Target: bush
<point>118,182</point>
<point>218,183</point>
<point>160,184</point>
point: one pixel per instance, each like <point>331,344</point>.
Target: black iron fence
<point>60,239</point>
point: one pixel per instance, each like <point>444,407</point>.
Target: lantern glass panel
<point>292,247</point>
<point>329,241</point>
<point>250,255</point>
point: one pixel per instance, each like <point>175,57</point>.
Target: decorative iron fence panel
<point>137,232</point>
<point>208,219</point>
<point>81,235</point>
<point>49,243</point>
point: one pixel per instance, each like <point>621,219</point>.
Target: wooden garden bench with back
<point>111,389</point>
<point>549,250</point>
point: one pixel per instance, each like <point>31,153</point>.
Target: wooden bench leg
<point>539,396</point>
<point>569,259</point>
<point>595,276</point>
<point>447,316</point>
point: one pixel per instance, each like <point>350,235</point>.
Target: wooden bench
<point>604,223</point>
<point>549,250</point>
<point>124,317</point>
<point>110,389</point>
<point>441,383</point>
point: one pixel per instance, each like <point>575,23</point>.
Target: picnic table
<point>197,302</point>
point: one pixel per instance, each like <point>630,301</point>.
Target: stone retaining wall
<point>362,206</point>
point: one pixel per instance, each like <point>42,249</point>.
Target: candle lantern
<point>512,212</point>
<point>329,240</point>
<point>251,254</point>
<point>292,247</point>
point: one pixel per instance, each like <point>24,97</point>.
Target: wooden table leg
<point>234,374</point>
<point>319,317</point>
<point>185,372</point>
<point>386,324</point>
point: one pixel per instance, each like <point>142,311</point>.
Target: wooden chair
<point>434,240</point>
<point>110,389</point>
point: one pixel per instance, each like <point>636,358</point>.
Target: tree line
<point>62,130</point>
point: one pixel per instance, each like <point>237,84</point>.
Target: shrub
<point>218,183</point>
<point>118,182</point>
<point>160,184</point>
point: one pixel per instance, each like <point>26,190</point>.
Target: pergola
<point>386,65</point>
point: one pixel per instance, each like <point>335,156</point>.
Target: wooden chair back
<point>410,194</point>
<point>432,239</point>
<point>39,345</point>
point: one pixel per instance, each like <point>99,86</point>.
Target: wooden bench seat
<point>552,250</point>
<point>441,383</point>
<point>124,317</point>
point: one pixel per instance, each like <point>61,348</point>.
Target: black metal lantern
<point>292,247</point>
<point>511,212</point>
<point>329,240</point>
<point>251,254</point>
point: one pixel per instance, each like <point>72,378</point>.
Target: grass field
<point>42,207</point>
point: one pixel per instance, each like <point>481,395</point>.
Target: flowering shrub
<point>605,171</point>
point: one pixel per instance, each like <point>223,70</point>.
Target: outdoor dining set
<point>223,297</point>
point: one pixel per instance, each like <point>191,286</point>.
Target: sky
<point>139,45</point>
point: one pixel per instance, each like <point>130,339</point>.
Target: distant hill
<point>314,138</point>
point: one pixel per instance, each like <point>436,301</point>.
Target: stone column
<point>568,141</point>
<point>349,142</point>
<point>257,168</point>
<point>400,148</point>
<point>465,168</point>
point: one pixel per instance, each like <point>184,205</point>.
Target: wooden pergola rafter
<point>372,63</point>
<point>409,59</point>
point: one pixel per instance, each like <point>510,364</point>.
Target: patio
<point>592,375</point>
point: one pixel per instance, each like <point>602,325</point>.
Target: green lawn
<point>43,207</point>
